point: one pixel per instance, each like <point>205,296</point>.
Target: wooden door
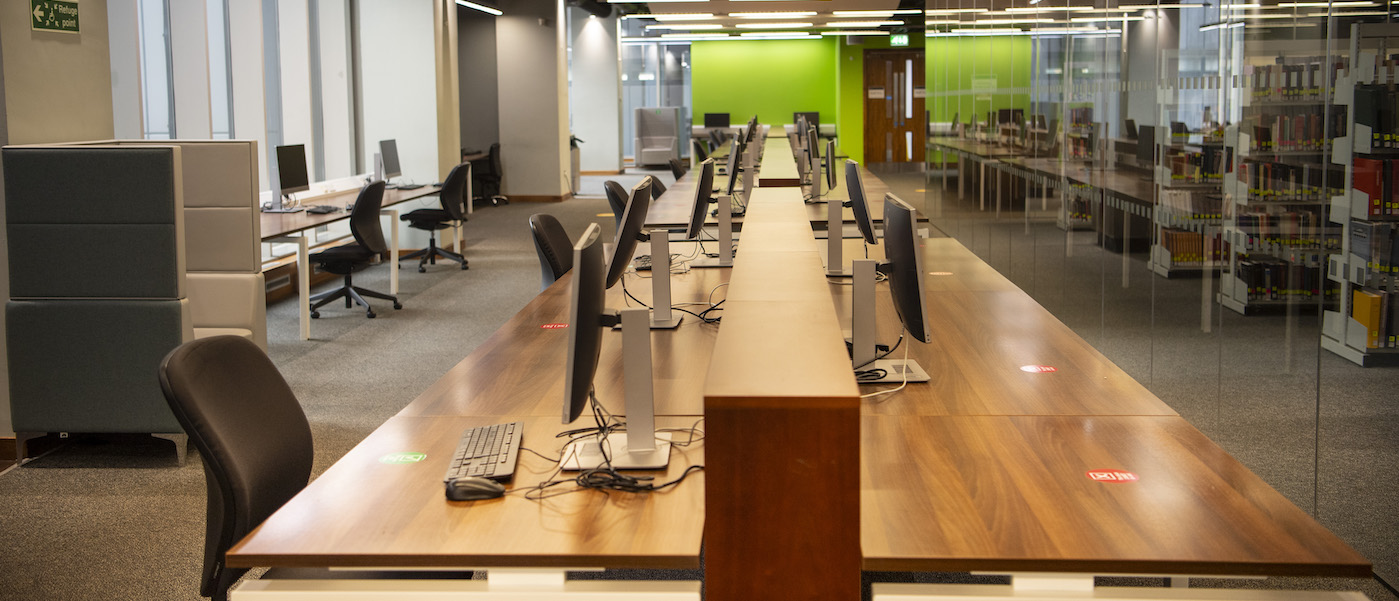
<point>894,117</point>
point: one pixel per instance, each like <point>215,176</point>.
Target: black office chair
<point>616,197</point>
<point>487,177</point>
<point>716,138</point>
<point>453,211</point>
<point>347,259</point>
<point>249,428</point>
<point>657,188</point>
<point>552,244</point>
<point>677,168</point>
<point>701,153</point>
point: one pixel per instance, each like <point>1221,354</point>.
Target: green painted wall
<point>769,78</point>
<point>955,65</point>
<point>850,113</point>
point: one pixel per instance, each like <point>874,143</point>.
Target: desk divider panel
<point>782,409</point>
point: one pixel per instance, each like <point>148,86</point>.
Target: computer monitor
<point>388,150</point>
<point>752,129</point>
<point>814,155</point>
<point>1129,129</point>
<point>905,266</point>
<point>1179,129</point>
<point>830,164</point>
<point>1146,145</point>
<point>1004,117</point>
<point>813,118</point>
<point>855,188</point>
<point>734,166</point>
<point>629,232</point>
<point>716,120</point>
<point>291,169</point>
<point>955,117</point>
<point>703,196</point>
<point>640,446</point>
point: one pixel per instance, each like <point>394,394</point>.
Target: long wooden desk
<point>291,228</point>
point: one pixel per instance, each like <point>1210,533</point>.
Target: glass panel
<point>220,74</point>
<point>157,99</point>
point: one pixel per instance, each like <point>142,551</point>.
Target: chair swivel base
<point>430,255</point>
<point>353,295</point>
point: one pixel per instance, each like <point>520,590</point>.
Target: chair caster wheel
<point>398,305</point>
<point>315,315</point>
<point>422,270</point>
<point>464,267</point>
<point>369,315</point>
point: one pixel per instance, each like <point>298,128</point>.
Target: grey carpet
<point>113,517</point>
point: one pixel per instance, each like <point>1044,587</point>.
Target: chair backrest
<point>677,169</point>
<point>716,138</point>
<point>364,218</point>
<point>552,244</point>
<point>616,197</point>
<point>249,428</point>
<point>701,153</point>
<point>657,188</point>
<point>453,192</point>
<point>496,167</point>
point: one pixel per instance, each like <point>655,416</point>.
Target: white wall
<point>337,119</point>
<point>189,57</point>
<point>595,96</point>
<point>533,99</point>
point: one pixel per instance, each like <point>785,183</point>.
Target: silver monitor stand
<point>862,343</point>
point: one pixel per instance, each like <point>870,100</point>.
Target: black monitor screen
<point>859,205</point>
<point>905,266</point>
<point>813,118</point>
<point>830,164</point>
<point>702,195</point>
<point>388,149</point>
<point>586,300</point>
<point>1129,129</point>
<point>734,167</point>
<point>291,169</point>
<point>716,120</point>
<point>1146,144</point>
<point>629,233</point>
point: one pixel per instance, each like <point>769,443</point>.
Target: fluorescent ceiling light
<point>862,23</point>
<point>1047,9</point>
<point>780,35</point>
<point>772,25</point>
<point>1104,19</point>
<point>953,11</point>
<point>694,36</point>
<point>874,13</point>
<point>775,15</point>
<point>682,16</point>
<point>856,32</point>
<point>1326,4</point>
<point>481,7</point>
<point>1241,6</point>
<point>1363,13</point>
<point>1221,25</point>
<point>941,22</point>
<point>1160,6</point>
<point>685,26</point>
<point>1012,21</point>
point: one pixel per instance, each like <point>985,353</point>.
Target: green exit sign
<point>898,39</point>
<point>53,15</point>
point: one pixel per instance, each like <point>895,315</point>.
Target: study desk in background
<point>292,227</point>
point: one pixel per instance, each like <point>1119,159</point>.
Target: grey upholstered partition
<point>657,135</point>
<point>96,256</point>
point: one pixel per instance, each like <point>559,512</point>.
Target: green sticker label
<point>398,458</point>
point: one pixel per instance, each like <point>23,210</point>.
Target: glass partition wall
<point>1203,191</point>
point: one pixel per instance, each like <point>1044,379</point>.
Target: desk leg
<point>982,181</point>
<point>303,280</point>
<point>393,249</point>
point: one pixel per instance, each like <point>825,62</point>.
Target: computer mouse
<point>473,489</point>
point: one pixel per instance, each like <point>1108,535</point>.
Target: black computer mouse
<point>473,489</point>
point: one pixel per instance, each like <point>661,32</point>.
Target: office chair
<point>249,428</point>
<point>716,138</point>
<point>701,153</point>
<point>347,259</point>
<point>453,211</point>
<point>617,199</point>
<point>677,169</point>
<point>552,244</point>
<point>488,179</point>
<point>657,188</point>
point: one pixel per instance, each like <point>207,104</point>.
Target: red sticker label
<point>939,273</point>
<point>1038,369</point>
<point>553,326</point>
<point>1111,476</point>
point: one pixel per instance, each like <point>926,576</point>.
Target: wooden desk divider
<point>782,415</point>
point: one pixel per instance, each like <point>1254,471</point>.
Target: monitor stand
<point>726,238</point>
<point>835,240</point>
<point>641,447</point>
<point>281,207</point>
<point>662,316</point>
<point>862,343</point>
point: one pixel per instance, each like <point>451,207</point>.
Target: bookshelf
<point>1364,327</point>
<point>1188,172</point>
<point>1277,189</point>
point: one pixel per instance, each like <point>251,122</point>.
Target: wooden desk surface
<point>519,370</point>
<point>363,512</point>
<point>1122,183</point>
<point>276,225</point>
<point>779,167</point>
<point>1012,494</point>
<point>970,146</point>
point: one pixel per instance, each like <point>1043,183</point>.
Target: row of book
<point>1376,106</point>
<point>1373,243</point>
<point>1191,248</point>
<point>1270,278</point>
<point>1292,83</point>
<point>1297,130</point>
<point>1377,179</point>
<point>1203,166</point>
<point>1288,230</point>
<point>1268,181</point>
<point>1191,204</point>
<point>1378,311</point>
<point>1081,117</point>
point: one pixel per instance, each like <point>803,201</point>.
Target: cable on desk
<point>703,316</point>
<point>902,385</point>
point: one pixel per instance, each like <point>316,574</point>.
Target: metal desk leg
<point>303,280</point>
<point>982,181</point>
<point>393,249</point>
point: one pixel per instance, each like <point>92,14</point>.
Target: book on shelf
<point>1365,308</point>
<point>1369,178</point>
